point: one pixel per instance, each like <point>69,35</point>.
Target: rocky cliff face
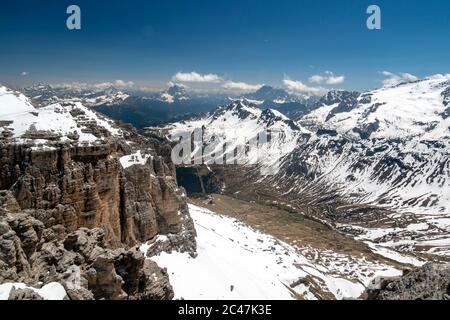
<point>34,254</point>
<point>77,204</point>
<point>87,187</point>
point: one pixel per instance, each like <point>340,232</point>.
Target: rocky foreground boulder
<point>33,254</point>
<point>430,282</point>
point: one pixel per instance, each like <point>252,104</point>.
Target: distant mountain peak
<point>47,94</point>
<point>176,89</point>
<point>240,108</point>
<point>174,93</point>
<point>337,96</point>
<point>269,93</point>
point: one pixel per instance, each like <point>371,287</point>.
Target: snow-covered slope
<point>22,122</point>
<point>276,96</point>
<point>291,105</point>
<point>13,102</point>
<point>391,146</point>
<point>233,126</point>
<point>236,262</point>
<point>409,110</point>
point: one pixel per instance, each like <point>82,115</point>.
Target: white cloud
<point>328,78</point>
<point>24,73</point>
<point>149,89</point>
<point>409,77</point>
<point>300,87</point>
<point>393,79</point>
<point>120,84</point>
<point>171,84</point>
<point>71,85</point>
<point>316,79</point>
<point>439,76</point>
<point>241,86</point>
<point>196,77</point>
<point>335,79</point>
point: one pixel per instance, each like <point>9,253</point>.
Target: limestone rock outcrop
<point>24,294</point>
<point>80,261</point>
<point>78,187</point>
<point>430,282</point>
<point>73,213</point>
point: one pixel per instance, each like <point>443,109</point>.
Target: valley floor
<point>236,260</point>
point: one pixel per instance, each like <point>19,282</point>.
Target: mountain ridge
<point>364,163</point>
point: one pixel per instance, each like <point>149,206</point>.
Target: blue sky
<point>246,41</point>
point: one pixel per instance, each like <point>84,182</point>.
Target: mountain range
<point>374,165</point>
<point>93,208</point>
<point>143,109</point>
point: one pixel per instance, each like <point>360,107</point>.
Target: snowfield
<point>136,158</point>
<point>51,291</point>
<point>13,103</point>
<point>63,122</point>
<point>236,262</point>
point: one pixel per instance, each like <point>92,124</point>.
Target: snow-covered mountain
<point>388,148</point>
<point>391,146</point>
<point>174,93</point>
<point>128,104</point>
<point>91,96</point>
<point>21,122</point>
<point>411,110</point>
<point>45,94</point>
<point>290,105</point>
<point>268,93</point>
<point>235,261</point>
<point>233,126</point>
<point>373,164</point>
<point>172,104</point>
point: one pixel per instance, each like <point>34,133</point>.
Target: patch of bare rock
<point>429,282</point>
